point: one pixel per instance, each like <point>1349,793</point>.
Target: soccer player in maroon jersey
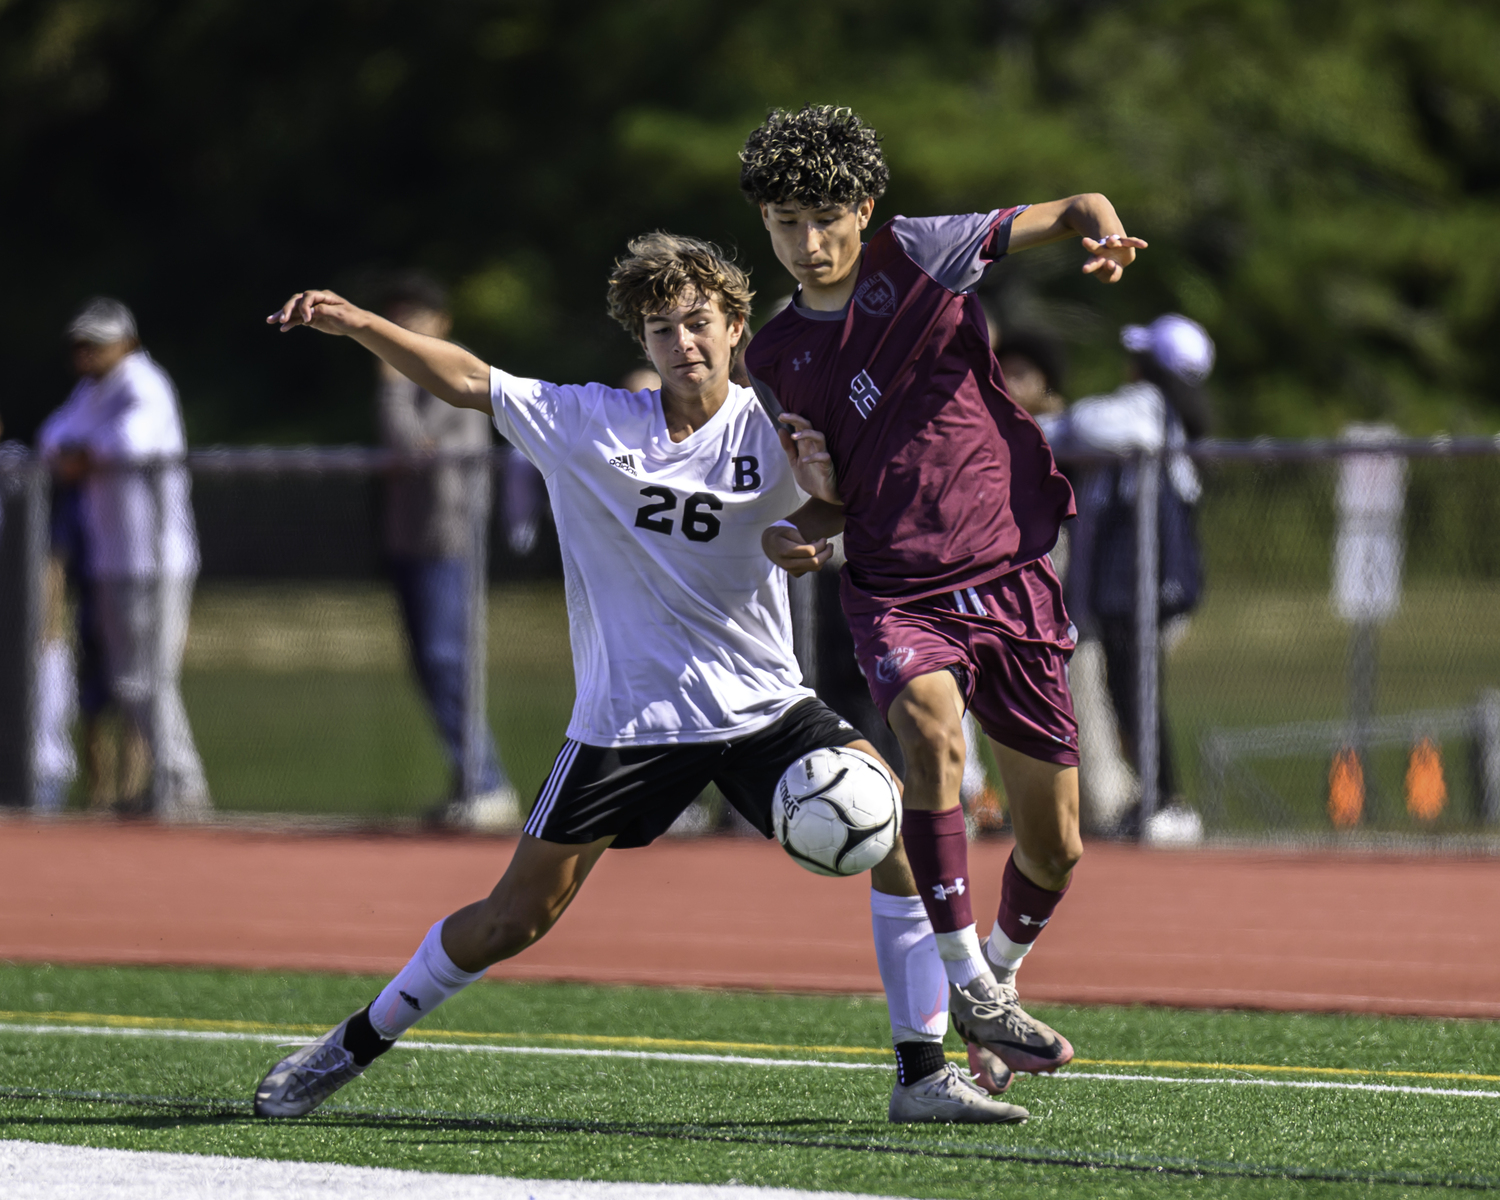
<point>951,502</point>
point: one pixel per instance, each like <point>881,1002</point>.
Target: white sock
<point>1004,953</point>
<point>963,960</point>
<point>916,987</point>
<point>419,987</point>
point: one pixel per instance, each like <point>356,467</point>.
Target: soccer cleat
<point>307,1077</point>
<point>989,1071</point>
<point>498,811</point>
<point>990,1015</point>
<point>947,1096</point>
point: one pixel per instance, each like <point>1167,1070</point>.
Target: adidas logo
<point>412,1000</point>
<point>626,463</point>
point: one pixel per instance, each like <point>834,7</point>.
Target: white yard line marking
<point>39,1171</point>
<point>215,1035</point>
<point>1312,1084</point>
<point>276,1039</point>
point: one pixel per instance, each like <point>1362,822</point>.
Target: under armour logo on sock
<point>1025,920</point>
<point>412,1000</point>
<point>939,892</point>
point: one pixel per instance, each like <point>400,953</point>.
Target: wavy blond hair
<point>662,269</point>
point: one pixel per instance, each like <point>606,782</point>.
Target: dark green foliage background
<point>1320,183</point>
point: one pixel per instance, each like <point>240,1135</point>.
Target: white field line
<point>215,1035</point>
<point>37,1171</point>
<point>1314,1084</point>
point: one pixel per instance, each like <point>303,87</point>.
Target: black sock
<point>917,1060</point>
<point>361,1040</point>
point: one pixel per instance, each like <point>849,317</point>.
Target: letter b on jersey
<point>746,473</point>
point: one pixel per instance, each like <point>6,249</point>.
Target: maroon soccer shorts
<point>1007,642</point>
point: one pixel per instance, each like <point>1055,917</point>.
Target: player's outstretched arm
<point>1090,216</point>
<point>800,543</point>
<point>446,370</point>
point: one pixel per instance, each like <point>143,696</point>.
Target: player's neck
<point>831,296</point>
<point>686,414</point>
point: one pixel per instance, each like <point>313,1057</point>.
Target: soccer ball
<point>836,811</point>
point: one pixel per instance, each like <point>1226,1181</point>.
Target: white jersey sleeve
<point>542,420</point>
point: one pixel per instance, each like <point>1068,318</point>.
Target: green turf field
<point>568,1082</point>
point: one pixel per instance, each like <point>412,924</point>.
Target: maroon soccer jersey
<point>946,482</point>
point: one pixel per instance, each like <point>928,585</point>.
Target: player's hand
<point>327,312</point>
<point>786,547</point>
<point>1110,255</point>
<point>807,452</point>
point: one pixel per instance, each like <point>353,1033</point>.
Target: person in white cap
<point>119,435</point>
<point>1160,409</point>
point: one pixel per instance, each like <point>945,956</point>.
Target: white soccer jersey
<point>680,625</point>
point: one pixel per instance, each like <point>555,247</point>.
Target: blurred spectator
<point>1160,409</point>
<point>432,511</point>
<point>1033,368</point>
<point>118,439</point>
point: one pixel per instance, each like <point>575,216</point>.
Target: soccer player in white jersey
<point>682,649</point>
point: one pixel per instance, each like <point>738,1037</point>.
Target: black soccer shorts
<point>636,792</point>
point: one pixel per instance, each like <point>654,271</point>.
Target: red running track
<point>1213,928</point>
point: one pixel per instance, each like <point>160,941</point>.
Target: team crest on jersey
<point>876,295</point>
<point>626,463</point>
<point>891,664</point>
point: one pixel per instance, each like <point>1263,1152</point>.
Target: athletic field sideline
<point>572,1082</point>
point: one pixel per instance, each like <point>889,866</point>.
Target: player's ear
<point>736,328</point>
<point>865,210</point>
<point>765,214</point>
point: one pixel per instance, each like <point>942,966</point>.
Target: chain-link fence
<point>1338,669</point>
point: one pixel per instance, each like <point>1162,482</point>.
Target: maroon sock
<point>1024,907</point>
<point>938,849</point>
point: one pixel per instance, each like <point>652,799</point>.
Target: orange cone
<point>1346,789</point>
<point>1426,793</point>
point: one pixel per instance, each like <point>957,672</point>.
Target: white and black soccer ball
<point>837,811</point>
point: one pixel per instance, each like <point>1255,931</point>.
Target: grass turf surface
<point>601,1117</point>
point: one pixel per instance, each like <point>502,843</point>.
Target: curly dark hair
<point>818,155</point>
<point>662,269</point>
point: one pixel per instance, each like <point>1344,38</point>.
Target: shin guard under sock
<point>419,987</point>
<point>916,986</point>
<point>1025,910</point>
<point>937,847</point>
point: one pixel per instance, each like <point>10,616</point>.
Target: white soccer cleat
<point>990,1015</point>
<point>307,1077</point>
<point>498,811</point>
<point>946,1096</point>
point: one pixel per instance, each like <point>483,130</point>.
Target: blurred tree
<point>1318,182</point>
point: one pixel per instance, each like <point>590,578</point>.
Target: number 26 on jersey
<point>698,521</point>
